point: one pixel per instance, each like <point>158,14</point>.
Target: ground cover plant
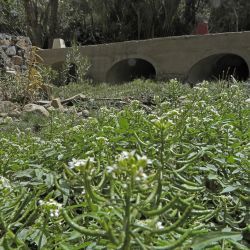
<point>175,176</point>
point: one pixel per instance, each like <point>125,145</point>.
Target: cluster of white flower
<point>140,175</point>
<point>111,169</point>
<point>52,206</point>
<point>60,157</point>
<point>125,155</point>
<point>80,162</point>
<point>159,225</point>
<point>173,113</point>
<point>77,128</point>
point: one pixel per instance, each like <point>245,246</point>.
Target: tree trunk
<point>53,21</point>
<point>34,28</point>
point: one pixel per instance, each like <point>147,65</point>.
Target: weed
<point>176,178</point>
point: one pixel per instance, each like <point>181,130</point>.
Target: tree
<point>41,20</point>
<point>12,17</point>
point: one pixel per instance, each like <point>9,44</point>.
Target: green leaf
<point>207,239</point>
<point>123,122</point>
<point>37,236</point>
<point>229,189</point>
<point>29,173</point>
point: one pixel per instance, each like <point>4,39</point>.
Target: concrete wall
<point>170,57</point>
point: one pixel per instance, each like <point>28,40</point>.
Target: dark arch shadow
<point>130,69</point>
<point>219,67</point>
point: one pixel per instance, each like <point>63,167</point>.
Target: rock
<point>56,103</point>
<point>11,51</point>
<point>4,42</point>
<point>248,100</point>
<point>11,71</point>
<point>4,59</point>
<point>4,36</point>
<point>20,52</point>
<point>24,68</point>
<point>3,47</point>
<point>35,109</point>
<point>43,102</point>
<point>85,113</point>
<point>17,60</point>
<point>22,43</point>
<point>7,107</point>
<point>70,101</point>
<point>17,68</point>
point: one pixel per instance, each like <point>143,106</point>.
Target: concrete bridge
<point>188,58</point>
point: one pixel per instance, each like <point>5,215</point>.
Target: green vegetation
<point>96,21</point>
<point>172,175</point>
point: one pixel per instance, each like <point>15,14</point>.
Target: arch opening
<point>219,67</point>
<point>130,69</point>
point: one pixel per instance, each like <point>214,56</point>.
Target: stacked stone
<point>14,52</point>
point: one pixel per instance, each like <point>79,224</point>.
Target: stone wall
<point>14,52</point>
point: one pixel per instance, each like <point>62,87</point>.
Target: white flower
<point>60,157</point>
<point>111,169</point>
<point>81,162</point>
<point>41,202</point>
<point>54,213</point>
<point>159,225</point>
<point>141,175</point>
<point>125,155</point>
<point>101,139</point>
<point>144,158</point>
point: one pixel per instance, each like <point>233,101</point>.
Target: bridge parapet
<point>190,58</point>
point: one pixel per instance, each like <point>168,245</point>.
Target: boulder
<point>85,113</point>
<point>22,44</point>
<point>56,103</point>
<point>35,109</point>
<point>17,60</point>
<point>11,51</point>
<point>72,100</point>
<point>4,59</point>
<point>4,42</point>
<point>4,36</point>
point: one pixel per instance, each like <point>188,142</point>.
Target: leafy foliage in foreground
<point>177,178</point>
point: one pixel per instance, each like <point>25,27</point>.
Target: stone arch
<point>218,67</point>
<point>129,69</point>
